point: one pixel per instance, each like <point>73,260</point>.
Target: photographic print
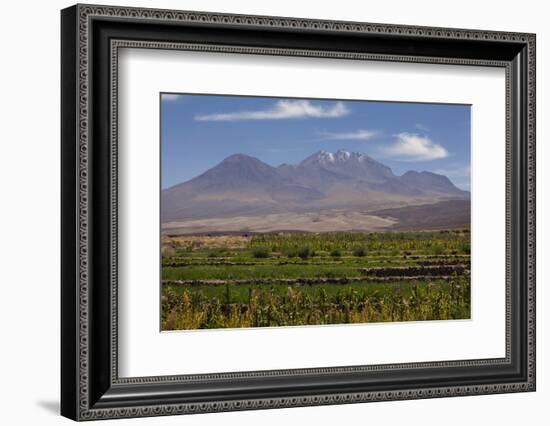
<point>283,212</point>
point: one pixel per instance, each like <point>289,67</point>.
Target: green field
<point>311,279</point>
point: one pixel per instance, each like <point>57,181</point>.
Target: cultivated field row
<point>297,279</point>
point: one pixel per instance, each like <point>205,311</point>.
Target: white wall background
<point>29,213</point>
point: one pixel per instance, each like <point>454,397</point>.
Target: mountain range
<point>242,185</point>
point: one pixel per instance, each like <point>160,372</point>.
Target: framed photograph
<point>263,212</point>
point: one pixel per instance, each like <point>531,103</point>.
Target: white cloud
<point>412,147</point>
<point>170,97</point>
<point>362,134</point>
<point>282,110</point>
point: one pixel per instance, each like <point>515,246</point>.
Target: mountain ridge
<point>244,185</point>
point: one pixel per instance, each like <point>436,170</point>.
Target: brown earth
<point>329,221</point>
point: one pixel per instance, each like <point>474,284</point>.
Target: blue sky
<point>199,131</point>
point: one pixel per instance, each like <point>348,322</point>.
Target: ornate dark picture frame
<point>91,37</point>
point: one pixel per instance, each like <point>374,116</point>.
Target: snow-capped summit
<point>324,156</point>
<point>339,156</point>
<point>345,163</point>
<point>342,155</point>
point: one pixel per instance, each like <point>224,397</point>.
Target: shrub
<point>359,251</point>
<point>336,253</point>
<point>291,253</point>
<point>216,253</point>
<point>168,251</point>
<point>330,274</point>
<point>260,252</point>
<point>465,248</point>
<point>305,252</point>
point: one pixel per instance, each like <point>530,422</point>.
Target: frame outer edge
<point>69,221</point>
<point>83,61</point>
<point>83,12</point>
<point>531,200</point>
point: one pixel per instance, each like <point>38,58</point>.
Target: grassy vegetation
<point>307,279</point>
<point>259,272</point>
<point>452,240</point>
<point>237,306</point>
